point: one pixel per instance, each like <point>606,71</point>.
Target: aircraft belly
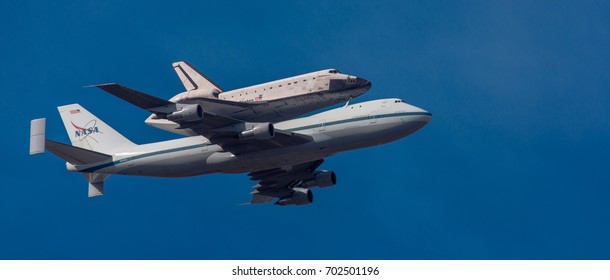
<point>326,143</point>
<point>178,164</point>
<point>270,159</point>
<point>333,139</point>
<point>365,133</point>
<point>383,131</point>
<point>212,162</point>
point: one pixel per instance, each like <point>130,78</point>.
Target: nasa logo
<point>86,131</point>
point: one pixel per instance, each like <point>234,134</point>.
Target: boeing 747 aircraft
<point>282,157</point>
<point>268,102</point>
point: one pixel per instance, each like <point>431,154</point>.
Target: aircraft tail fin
<point>192,79</point>
<point>88,132</point>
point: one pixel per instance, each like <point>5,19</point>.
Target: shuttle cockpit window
<point>333,71</point>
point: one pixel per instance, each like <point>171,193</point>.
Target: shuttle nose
<point>353,85</point>
<point>363,83</point>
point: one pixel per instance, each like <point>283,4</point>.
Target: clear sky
<point>514,164</point>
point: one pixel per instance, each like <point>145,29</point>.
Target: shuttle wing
<point>140,99</point>
<point>279,182</point>
<point>221,130</point>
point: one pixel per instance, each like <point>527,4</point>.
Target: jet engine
<point>188,113</point>
<point>300,196</point>
<point>258,131</point>
<point>321,179</point>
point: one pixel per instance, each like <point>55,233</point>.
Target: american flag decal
<point>74,111</point>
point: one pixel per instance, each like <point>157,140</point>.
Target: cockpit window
<point>399,101</point>
<point>333,71</point>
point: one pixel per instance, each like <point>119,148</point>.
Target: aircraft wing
<point>224,131</point>
<point>231,142</point>
<point>279,182</point>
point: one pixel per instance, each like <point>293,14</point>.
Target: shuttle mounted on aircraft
<point>274,101</point>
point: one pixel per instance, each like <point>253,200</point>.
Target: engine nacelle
<point>300,196</point>
<point>259,131</point>
<point>321,179</point>
<point>188,113</point>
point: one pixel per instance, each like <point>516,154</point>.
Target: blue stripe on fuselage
<point>127,159</point>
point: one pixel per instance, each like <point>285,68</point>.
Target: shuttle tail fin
<point>192,79</point>
<point>87,131</point>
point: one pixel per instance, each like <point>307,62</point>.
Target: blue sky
<point>514,164</point>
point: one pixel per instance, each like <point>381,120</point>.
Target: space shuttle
<point>273,101</point>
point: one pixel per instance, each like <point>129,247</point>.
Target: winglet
<point>37,136</point>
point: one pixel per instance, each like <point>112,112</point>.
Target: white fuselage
<point>314,82</point>
<point>351,127</point>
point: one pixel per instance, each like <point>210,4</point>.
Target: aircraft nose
<point>419,114</point>
<point>415,120</point>
<point>427,116</point>
<point>422,117</point>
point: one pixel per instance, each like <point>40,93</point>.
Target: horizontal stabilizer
<point>37,136</point>
<point>140,99</point>
<point>75,155</point>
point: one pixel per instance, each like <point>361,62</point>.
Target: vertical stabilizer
<point>37,136</point>
<point>96,183</point>
<point>192,79</point>
<point>89,132</point>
